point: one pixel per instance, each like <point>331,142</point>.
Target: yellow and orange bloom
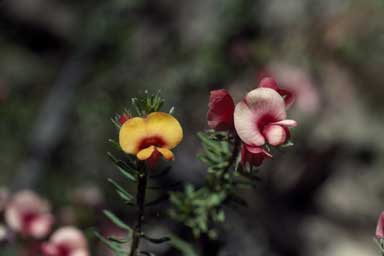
<point>151,136</point>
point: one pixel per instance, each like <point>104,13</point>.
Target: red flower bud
<point>220,110</point>
<point>124,118</point>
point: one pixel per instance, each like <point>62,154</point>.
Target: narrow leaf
<point>112,217</point>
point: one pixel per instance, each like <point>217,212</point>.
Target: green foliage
<point>201,208</point>
<point>197,207</point>
<point>185,248</point>
<point>147,103</point>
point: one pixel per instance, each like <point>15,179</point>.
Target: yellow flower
<point>146,137</point>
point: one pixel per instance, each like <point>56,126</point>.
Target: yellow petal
<point>146,153</point>
<point>132,132</point>
<point>167,154</point>
<point>165,126</point>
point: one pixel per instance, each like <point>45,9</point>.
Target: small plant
<point>242,137</point>
<point>143,138</point>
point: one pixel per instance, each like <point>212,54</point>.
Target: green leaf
<point>112,217</point>
<point>156,240</point>
<point>287,144</point>
<point>118,240</point>
<point>115,144</point>
<point>185,248</point>
<point>147,253</point>
<point>111,245</point>
<point>121,191</point>
<point>123,168</point>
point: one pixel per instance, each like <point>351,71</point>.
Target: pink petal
<point>49,249</point>
<point>258,150</point>
<point>380,226</point>
<point>41,226</point>
<point>259,108</point>
<point>276,135</point>
<point>286,123</point>
<point>80,252</point>
<point>288,95</point>
<point>70,237</point>
<point>253,155</point>
<point>269,82</point>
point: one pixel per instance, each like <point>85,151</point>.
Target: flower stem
<point>140,201</point>
<point>234,154</point>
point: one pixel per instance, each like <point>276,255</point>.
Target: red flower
<point>288,95</point>
<point>261,118</point>
<point>380,227</point>
<point>253,155</point>
<point>220,110</point>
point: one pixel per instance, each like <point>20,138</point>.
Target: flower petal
<point>269,82</point>
<point>288,95</point>
<point>41,226</point>
<point>167,154</point>
<point>245,125</point>
<point>70,237</point>
<point>253,155</point>
<point>166,127</point>
<point>146,153</point>
<point>287,123</point>
<point>132,132</point>
<point>259,108</point>
<point>275,134</point>
<point>220,110</point>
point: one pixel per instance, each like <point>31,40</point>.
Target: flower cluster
<point>29,215</point>
<point>259,119</point>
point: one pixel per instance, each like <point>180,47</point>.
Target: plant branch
<point>140,200</point>
<point>235,153</point>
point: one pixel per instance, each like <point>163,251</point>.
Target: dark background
<point>66,67</point>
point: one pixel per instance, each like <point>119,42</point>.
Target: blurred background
<point>66,67</point>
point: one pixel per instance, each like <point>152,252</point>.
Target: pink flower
<point>288,95</point>
<point>261,118</point>
<point>67,241</point>
<point>380,227</point>
<point>254,156</point>
<point>220,110</point>
<point>297,81</point>
<point>29,215</point>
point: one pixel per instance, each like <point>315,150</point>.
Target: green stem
<point>140,200</point>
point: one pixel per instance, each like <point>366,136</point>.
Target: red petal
<point>220,110</point>
<point>253,155</point>
<point>269,82</point>
<point>288,95</point>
